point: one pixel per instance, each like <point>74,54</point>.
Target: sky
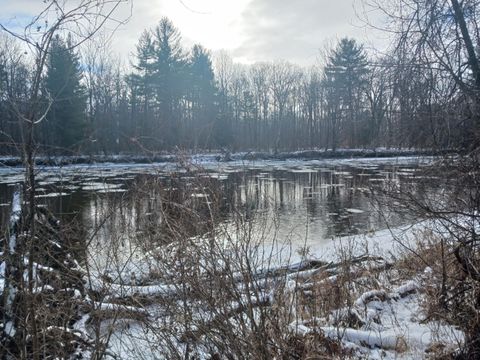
<point>249,30</point>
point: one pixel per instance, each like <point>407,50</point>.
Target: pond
<point>310,202</point>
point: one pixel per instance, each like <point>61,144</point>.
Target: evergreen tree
<point>170,73</point>
<point>145,79</point>
<point>345,81</point>
<point>161,80</point>
<point>203,96</point>
<point>66,117</point>
<point>145,54</point>
<point>141,85</point>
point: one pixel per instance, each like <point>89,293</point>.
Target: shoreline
<point>42,160</point>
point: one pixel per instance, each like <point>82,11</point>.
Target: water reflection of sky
<point>309,200</point>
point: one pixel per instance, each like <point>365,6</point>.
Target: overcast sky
<point>250,30</point>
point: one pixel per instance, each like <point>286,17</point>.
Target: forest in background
<point>224,297</point>
<point>170,97</point>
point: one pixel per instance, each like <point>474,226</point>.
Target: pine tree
<point>66,116</point>
<point>160,79</point>
<point>170,74</point>
<point>345,81</point>
<point>203,96</point>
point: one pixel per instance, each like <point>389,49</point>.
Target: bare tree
<point>259,74</point>
<point>21,337</point>
<point>437,77</point>
<point>283,80</point>
<point>439,35</point>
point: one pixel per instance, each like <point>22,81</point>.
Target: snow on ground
<point>392,322</point>
<point>386,243</point>
<point>224,156</point>
<point>393,326</point>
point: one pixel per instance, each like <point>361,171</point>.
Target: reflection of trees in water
<point>6,194</point>
<point>156,210</point>
<point>316,194</point>
<point>157,207</point>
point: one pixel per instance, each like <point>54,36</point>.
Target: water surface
<point>307,201</point>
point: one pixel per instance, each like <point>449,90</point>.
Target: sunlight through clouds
<point>250,30</point>
<point>213,23</point>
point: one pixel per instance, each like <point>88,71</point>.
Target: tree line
<point>170,97</point>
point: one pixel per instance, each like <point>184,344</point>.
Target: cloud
<point>208,22</point>
<point>293,30</point>
<point>251,30</point>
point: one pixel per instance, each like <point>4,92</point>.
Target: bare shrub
<point>205,284</point>
<point>449,249</point>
